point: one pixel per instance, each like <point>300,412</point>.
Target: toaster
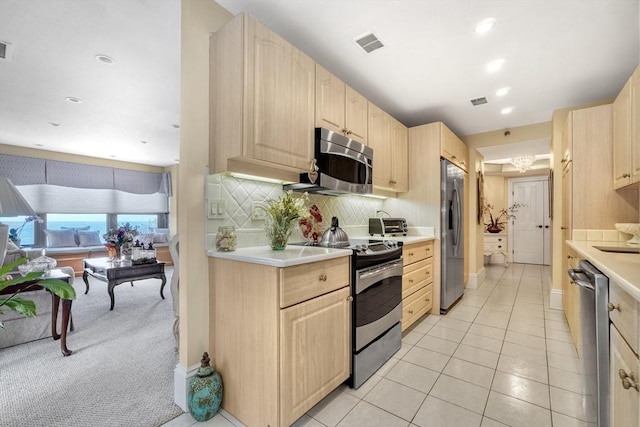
<point>387,226</point>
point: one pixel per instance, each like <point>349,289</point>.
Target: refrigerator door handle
<point>456,231</point>
<point>450,225</point>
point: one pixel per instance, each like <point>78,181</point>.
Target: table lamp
<point>11,204</point>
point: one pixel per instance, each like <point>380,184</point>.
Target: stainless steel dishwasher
<point>594,337</point>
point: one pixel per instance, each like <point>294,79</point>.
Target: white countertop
<point>291,255</point>
<point>623,268</point>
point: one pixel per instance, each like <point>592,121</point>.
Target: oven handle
<point>369,277</point>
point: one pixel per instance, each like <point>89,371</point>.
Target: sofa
<point>18,328</point>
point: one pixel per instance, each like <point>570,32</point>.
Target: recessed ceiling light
<point>176,126</point>
<point>506,110</point>
<point>144,142</point>
<point>503,91</point>
<point>113,156</point>
<point>105,59</point>
<point>73,100</point>
<point>484,26</point>
<point>55,125</point>
<point>495,65</point>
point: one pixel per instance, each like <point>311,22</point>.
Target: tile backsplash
<point>240,195</point>
<point>601,235</point>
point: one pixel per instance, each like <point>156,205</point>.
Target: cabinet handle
<point>392,182</point>
<point>563,161</point>
<point>349,298</point>
<point>626,175</point>
<point>345,131</point>
<point>349,132</point>
<point>427,299</point>
<point>410,280</point>
<point>569,257</point>
<point>410,311</point>
<point>563,228</point>
<point>323,277</point>
<point>628,380</point>
<point>499,246</point>
<point>612,307</point>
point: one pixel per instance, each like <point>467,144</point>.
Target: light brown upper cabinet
<point>453,149</point>
<point>389,140</point>
<point>626,134</point>
<point>339,107</point>
<point>262,100</point>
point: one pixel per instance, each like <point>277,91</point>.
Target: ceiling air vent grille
<point>479,101</point>
<point>369,42</point>
<point>6,49</point>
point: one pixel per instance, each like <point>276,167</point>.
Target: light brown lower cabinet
<point>624,382</point>
<point>417,281</point>
<point>281,336</point>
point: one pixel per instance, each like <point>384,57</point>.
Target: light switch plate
<point>258,214</point>
<point>216,209</point>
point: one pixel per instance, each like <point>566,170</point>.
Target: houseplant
<point>282,216</point>
<point>24,306</point>
<point>497,221</point>
<point>119,238</point>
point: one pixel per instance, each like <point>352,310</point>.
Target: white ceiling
<point>557,53</point>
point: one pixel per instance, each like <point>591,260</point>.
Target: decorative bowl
<point>630,228</point>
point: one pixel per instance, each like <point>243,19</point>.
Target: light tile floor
<point>500,357</point>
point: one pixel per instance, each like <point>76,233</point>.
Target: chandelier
<point>522,163</point>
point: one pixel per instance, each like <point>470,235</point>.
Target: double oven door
<point>377,312</point>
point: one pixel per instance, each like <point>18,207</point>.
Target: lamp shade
<point>11,201</point>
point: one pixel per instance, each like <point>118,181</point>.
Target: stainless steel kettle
<point>334,236</point>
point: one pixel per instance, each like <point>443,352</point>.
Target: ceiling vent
<point>6,51</point>
<point>479,101</point>
<point>369,42</point>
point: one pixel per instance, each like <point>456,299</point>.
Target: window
<point>94,221</point>
<point>145,222</point>
<point>24,231</point>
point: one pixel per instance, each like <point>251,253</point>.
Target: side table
<point>32,285</point>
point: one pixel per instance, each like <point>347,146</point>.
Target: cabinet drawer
<point>305,281</point>
<point>415,276</point>
<point>495,239</point>
<point>416,305</point>
<point>417,251</point>
<point>625,314</point>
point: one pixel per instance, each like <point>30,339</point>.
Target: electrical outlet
<point>216,209</point>
<point>257,213</point>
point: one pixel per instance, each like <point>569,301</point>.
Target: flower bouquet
<point>282,216</point>
<point>119,237</point>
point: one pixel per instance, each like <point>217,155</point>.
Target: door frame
<point>546,243</point>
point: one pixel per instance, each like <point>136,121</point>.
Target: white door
<point>528,226</point>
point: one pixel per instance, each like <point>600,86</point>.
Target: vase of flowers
<point>282,217</point>
<point>119,239</point>
<point>498,220</point>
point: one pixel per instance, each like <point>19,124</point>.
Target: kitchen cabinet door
<point>262,100</point>
<point>380,141</point>
<point>622,137</point>
<point>356,115</point>
<point>635,126</point>
<point>315,351</point>
<point>330,100</point>
<point>399,179</point>
<point>453,149</point>
<point>624,408</point>
<point>339,107</point>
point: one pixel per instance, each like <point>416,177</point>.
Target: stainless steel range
<point>376,288</point>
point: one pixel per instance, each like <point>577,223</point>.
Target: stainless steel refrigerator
<point>451,234</point>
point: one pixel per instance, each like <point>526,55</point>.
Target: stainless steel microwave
<point>343,166</point>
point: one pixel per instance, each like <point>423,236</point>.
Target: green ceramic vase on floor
<point>205,391</point>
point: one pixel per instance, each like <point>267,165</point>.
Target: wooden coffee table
<point>114,273</point>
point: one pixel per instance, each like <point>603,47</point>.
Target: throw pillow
<point>60,238</point>
<point>75,232</point>
<point>89,238</point>
<point>160,238</point>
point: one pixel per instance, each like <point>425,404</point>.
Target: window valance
<point>23,170</point>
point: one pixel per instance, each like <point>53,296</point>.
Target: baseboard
<point>181,377</point>
<point>476,279</point>
<point>555,299</point>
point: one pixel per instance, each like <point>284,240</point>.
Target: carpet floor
<point>120,372</point>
